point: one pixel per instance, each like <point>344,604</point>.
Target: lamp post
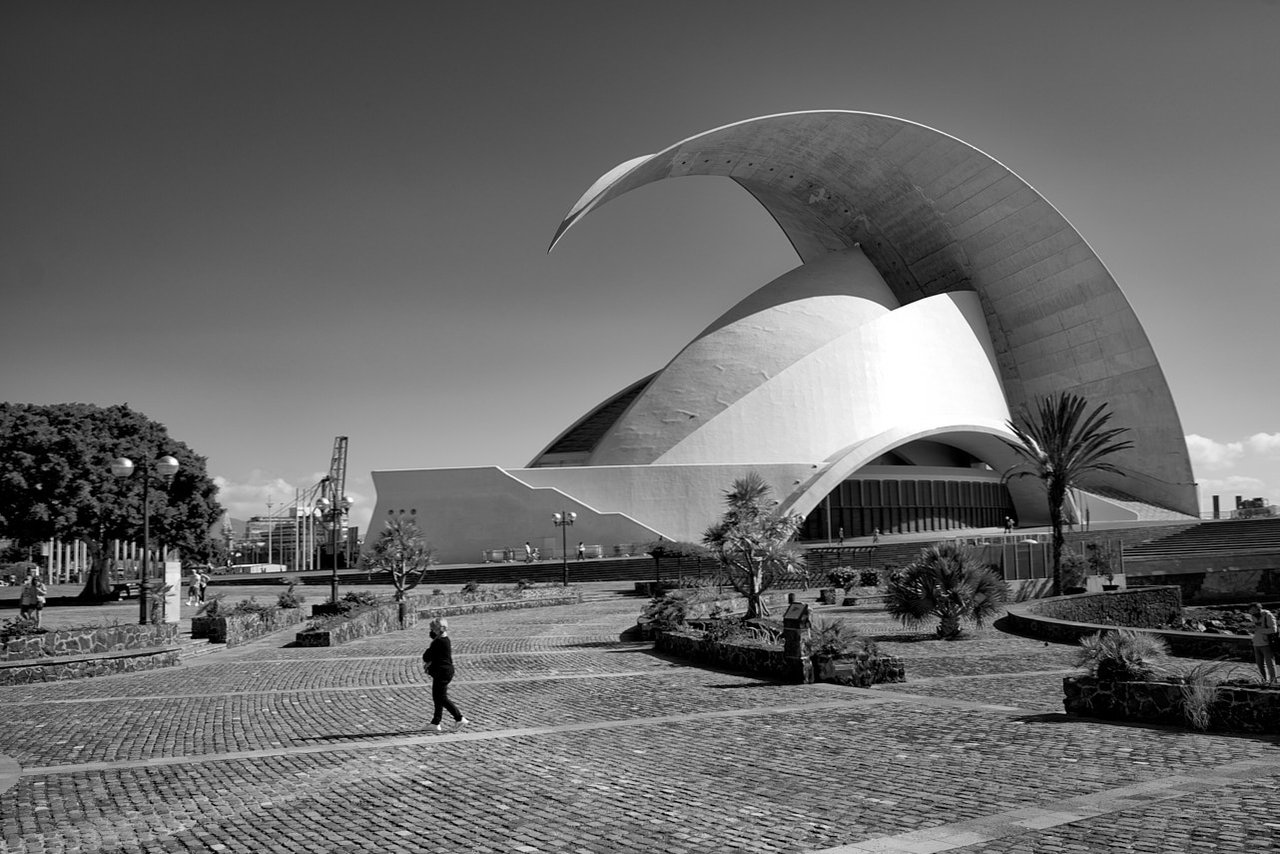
<point>563,521</point>
<point>334,508</point>
<point>166,467</point>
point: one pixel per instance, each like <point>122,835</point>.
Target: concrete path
<point>582,743</point>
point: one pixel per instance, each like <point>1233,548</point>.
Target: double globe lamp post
<point>334,510</point>
<point>563,521</point>
<point>166,467</point>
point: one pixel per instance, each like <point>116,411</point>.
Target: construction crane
<point>334,503</point>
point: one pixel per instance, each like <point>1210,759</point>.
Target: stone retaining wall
<point>386,618</point>
<point>234,629</point>
<point>89,640</point>
<point>1234,709</point>
<point>79,667</point>
<point>1060,620</point>
<point>859,669</point>
<point>1143,608</point>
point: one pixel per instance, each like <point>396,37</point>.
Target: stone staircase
<point>1257,536</point>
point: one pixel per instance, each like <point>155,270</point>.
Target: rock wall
<point>859,669</point>
<point>56,670</point>
<point>1063,620</point>
<point>386,618</point>
<point>89,640</point>
<point>1235,708</point>
<point>234,629</point>
<point>1146,608</point>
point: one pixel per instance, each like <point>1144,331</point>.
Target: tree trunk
<point>1057,498</point>
<point>950,626</point>
<point>97,586</point>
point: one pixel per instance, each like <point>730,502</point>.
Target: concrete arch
<point>984,441</point>
<point>934,214</point>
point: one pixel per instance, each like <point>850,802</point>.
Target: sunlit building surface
<point>938,294</point>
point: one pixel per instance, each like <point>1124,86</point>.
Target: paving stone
<point>581,743</point>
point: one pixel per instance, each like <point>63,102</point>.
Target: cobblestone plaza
<point>582,742</point>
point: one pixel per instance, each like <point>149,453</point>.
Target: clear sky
<point>265,224</point>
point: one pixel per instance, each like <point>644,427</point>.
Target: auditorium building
<point>938,295</point>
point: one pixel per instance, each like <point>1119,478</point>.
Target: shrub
<point>288,599</point>
<point>360,598</point>
<point>868,577</point>
<point>1074,569</point>
<point>1121,655</point>
<point>471,586</point>
<point>666,612</point>
<point>844,576</point>
<point>523,584</point>
<point>211,607</point>
<point>437,592</point>
<point>1199,687</point>
<point>831,639</point>
<point>19,627</point>
<point>251,606</point>
<point>946,582</point>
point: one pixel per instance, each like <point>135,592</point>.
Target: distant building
<point>870,386</point>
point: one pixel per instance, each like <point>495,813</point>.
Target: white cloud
<point>1264,444</point>
<point>243,499</point>
<point>1209,454</point>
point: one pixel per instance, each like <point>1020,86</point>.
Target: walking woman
<point>437,661</point>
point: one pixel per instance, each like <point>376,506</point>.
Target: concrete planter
<point>77,653</point>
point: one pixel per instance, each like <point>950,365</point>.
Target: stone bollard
<point>795,631</point>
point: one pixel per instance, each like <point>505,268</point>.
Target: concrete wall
<point>934,215</point>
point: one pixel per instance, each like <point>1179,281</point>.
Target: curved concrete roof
<point>934,214</point>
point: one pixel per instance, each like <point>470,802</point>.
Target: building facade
<point>938,295</point>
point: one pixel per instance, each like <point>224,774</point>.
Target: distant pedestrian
<point>528,552</point>
<point>1264,642</point>
<point>193,588</point>
<point>875,535</point>
<point>1008,524</point>
<point>437,662</point>
<point>32,599</point>
<point>840,541</point>
<point>203,584</point>
<point>582,551</point>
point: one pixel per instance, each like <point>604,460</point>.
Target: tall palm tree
<point>1060,444</point>
<point>946,582</point>
<point>752,541</point>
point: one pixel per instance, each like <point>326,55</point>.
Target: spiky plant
<point>946,582</point>
<point>1199,687</point>
<point>752,541</point>
<point>831,638</point>
<point>1118,655</point>
<point>1061,444</point>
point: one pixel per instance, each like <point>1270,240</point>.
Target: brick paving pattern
<point>583,743</point>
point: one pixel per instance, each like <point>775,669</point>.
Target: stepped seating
<point>1228,535</point>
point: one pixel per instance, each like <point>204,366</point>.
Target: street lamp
<point>563,521</point>
<point>166,467</point>
<point>335,509</point>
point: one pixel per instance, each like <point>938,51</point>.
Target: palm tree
<point>752,541</point>
<point>401,550</point>
<point>1060,445</point>
<point>946,582</point>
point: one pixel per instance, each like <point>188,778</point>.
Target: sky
<point>266,224</point>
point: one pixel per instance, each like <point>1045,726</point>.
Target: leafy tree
<point>752,541</point>
<point>401,550</point>
<point>946,582</point>
<point>56,482</point>
<point>1061,444</point>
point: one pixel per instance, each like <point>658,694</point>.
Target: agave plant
<point>831,639</point>
<point>1119,655</point>
<point>946,582</point>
